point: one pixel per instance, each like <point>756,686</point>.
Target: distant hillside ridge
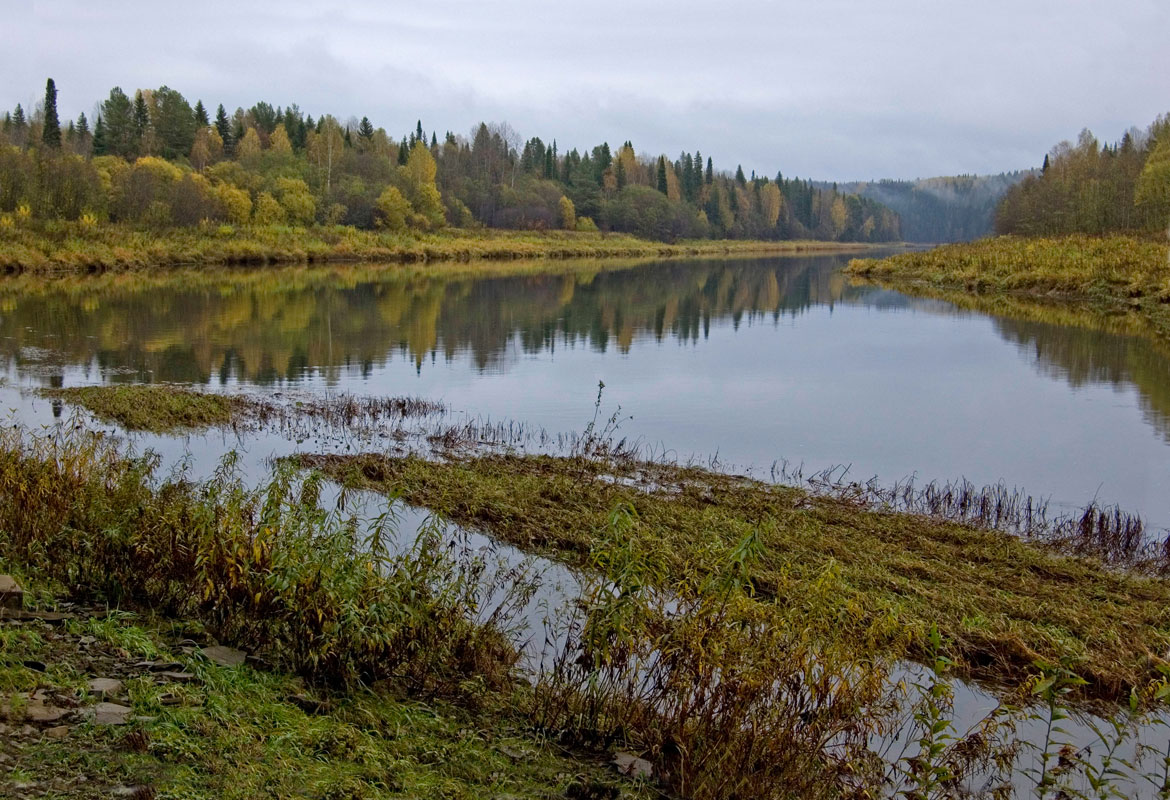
<point>957,208</point>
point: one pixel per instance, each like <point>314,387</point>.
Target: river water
<point>752,361</point>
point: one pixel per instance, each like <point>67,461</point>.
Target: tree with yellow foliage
<point>568,214</point>
<point>418,174</point>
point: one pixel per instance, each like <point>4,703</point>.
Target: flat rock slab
<point>179,677</point>
<point>633,767</point>
<point>36,711</point>
<point>20,615</point>
<point>111,714</point>
<point>224,656</point>
<point>106,688</point>
<point>11,595</point>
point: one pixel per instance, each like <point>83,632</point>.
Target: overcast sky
<point>831,89</point>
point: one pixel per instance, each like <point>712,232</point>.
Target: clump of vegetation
<point>1002,601</point>
<point>267,567</point>
<point>237,733</point>
<point>155,408</point>
<point>170,408</point>
<point>1112,274</point>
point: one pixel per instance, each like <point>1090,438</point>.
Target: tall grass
<point>269,569</point>
<point>59,246</point>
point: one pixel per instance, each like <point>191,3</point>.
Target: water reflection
<point>753,359</point>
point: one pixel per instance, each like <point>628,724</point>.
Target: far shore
<point>72,247</point>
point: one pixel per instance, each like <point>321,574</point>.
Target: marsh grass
<point>1003,601</point>
<point>71,247</point>
<point>154,408</point>
<point>1113,275</point>
<point>313,592</point>
<point>165,408</point>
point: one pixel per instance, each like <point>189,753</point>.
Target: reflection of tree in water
<point>267,333</point>
<point>280,326</point>
<point>1083,356</point>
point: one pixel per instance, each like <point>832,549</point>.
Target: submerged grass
<point>154,408</point>
<point>1113,275</point>
<point>1006,604</point>
<point>167,408</point>
<point>63,246</point>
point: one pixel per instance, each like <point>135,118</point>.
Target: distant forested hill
<point>945,209</point>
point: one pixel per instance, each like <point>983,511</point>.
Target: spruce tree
<point>82,124</point>
<point>201,115</point>
<point>18,117</point>
<point>662,185</point>
<point>710,172</point>
<point>99,137</point>
<point>51,132</point>
<point>365,129</point>
<point>141,118</point>
<point>224,127</point>
<point>739,178</point>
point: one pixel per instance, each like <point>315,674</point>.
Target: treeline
<point>154,159</point>
<point>945,209</point>
<point>1095,188</point>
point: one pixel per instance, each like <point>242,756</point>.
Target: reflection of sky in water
<point>754,361</point>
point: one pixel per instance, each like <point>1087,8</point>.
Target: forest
<point>1094,188</point>
<point>155,160</point>
<point>955,208</point>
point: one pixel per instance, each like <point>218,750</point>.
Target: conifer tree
<point>365,129</point>
<point>141,117</point>
<point>710,172</point>
<point>201,118</point>
<point>51,131</point>
<point>18,117</point>
<point>739,178</point>
<point>82,124</point>
<point>223,127</point>
<point>662,184</point>
<point>99,137</point>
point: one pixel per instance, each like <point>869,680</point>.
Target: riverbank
<point>100,703</point>
<point>986,569</point>
<point>74,247</point>
<point>836,568</point>
<point>687,577</point>
<point>1110,275</point>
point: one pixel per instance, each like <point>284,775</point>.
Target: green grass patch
<point>246,733</point>
<point>1004,603</point>
<point>154,408</point>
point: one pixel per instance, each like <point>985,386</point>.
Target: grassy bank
<point>406,666</point>
<point>203,730</point>
<point>57,247</point>
<point>883,580</point>
<point>1111,275</point>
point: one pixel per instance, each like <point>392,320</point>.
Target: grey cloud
<point>836,89</point>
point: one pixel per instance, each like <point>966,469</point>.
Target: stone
<point>111,714</point>
<point>57,732</point>
<point>179,677</point>
<point>37,711</point>
<point>633,767</point>
<point>224,656</point>
<point>11,595</point>
<point>106,688</point>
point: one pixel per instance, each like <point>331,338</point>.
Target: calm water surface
<point>751,360</point>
